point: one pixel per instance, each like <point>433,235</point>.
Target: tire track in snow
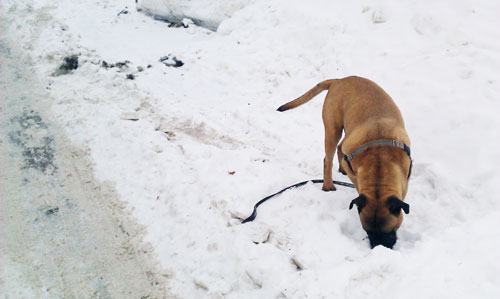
<point>64,235</point>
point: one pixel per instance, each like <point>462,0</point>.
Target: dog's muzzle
<point>385,239</point>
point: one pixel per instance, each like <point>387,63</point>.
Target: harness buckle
<point>398,144</point>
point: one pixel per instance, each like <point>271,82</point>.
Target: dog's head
<point>380,218</point>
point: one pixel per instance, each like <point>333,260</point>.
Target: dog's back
<point>364,110</point>
<point>368,112</point>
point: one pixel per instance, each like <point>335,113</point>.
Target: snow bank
<point>204,13</point>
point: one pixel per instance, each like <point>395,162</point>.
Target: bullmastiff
<point>374,153</point>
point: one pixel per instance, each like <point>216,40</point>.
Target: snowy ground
<point>170,139</point>
<point>64,234</point>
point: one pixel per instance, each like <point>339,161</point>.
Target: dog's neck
<point>379,173</point>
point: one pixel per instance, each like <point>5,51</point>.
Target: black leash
<point>254,214</point>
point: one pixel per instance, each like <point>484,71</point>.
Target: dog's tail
<point>307,96</point>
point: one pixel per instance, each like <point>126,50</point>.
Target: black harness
<point>395,143</point>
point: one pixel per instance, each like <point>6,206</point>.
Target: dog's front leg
<point>340,155</point>
<point>327,174</point>
<point>332,137</point>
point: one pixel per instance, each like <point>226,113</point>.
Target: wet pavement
<point>63,233</point>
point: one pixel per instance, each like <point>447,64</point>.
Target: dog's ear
<point>395,205</point>
<point>360,201</point>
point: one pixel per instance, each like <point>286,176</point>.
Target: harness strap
<point>348,158</point>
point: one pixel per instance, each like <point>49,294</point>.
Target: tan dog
<point>375,136</point>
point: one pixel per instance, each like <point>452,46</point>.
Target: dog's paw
<point>342,171</point>
<point>328,187</point>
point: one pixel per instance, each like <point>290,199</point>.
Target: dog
<point>374,153</point>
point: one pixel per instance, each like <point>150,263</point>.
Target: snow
<point>216,114</point>
<point>204,13</point>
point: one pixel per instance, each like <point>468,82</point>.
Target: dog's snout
<point>380,238</point>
